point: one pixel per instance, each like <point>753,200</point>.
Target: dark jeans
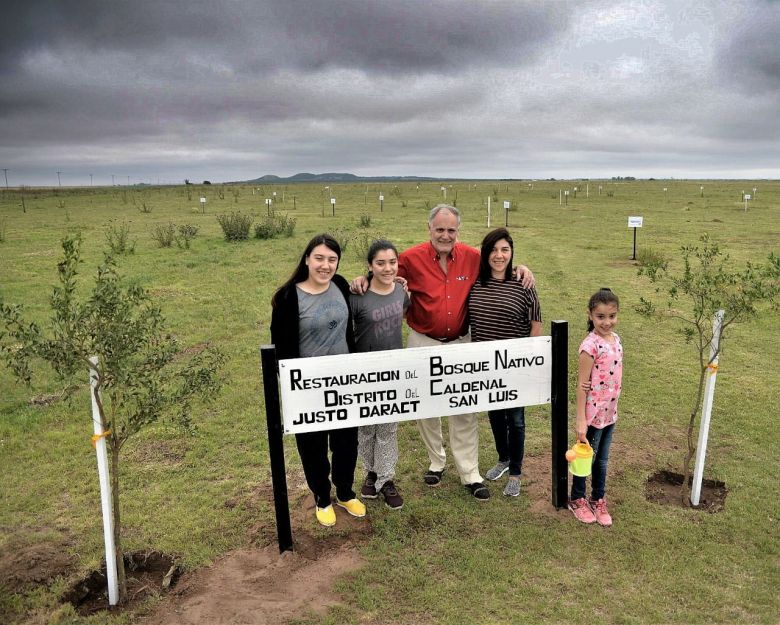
<point>600,440</point>
<point>313,449</point>
<point>508,427</point>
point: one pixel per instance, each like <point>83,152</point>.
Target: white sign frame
<point>334,392</point>
<point>635,221</point>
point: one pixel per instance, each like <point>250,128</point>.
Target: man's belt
<point>445,339</point>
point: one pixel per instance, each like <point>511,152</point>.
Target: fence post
<point>276,447</point>
<point>559,409</point>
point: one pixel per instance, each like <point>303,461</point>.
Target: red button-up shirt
<point>439,302</point>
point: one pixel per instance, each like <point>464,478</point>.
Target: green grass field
<point>443,558</point>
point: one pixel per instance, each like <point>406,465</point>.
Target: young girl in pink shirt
<point>598,389</point>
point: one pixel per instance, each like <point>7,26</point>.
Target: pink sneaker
<point>582,510</point>
<point>601,512</point>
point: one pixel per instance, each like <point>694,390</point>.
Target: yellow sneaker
<point>326,516</point>
<point>354,506</point>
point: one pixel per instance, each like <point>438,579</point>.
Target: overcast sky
<point>231,90</point>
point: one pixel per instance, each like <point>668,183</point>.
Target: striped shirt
<point>502,310</point>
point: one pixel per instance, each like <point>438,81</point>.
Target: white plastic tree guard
<point>105,489</point>
<point>706,409</point>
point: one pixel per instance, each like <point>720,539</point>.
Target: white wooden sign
<point>333,392</point>
<point>381,198</point>
<point>747,196</point>
<point>506,205</point>
<point>203,200</point>
<point>635,222</point>
<point>333,200</point>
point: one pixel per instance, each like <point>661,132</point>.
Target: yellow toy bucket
<point>580,459</point>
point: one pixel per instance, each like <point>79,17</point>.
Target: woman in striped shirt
<point>502,308</point>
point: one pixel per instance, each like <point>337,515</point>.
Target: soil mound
<point>665,488</point>
<point>260,586</point>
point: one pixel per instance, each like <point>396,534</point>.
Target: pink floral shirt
<point>605,379</point>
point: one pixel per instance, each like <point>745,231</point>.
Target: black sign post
<point>559,411</point>
<point>276,447</point>
<point>635,222</point>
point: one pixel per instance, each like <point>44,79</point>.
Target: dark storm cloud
<point>750,54</point>
<point>398,36</point>
<point>93,70</point>
<point>95,25</point>
<point>416,36</point>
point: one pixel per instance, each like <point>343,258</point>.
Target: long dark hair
<point>302,270</point>
<point>603,296</point>
<point>488,243</point>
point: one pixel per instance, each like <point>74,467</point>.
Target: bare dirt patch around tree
<point>147,573</point>
<point>665,488</point>
<point>258,585</point>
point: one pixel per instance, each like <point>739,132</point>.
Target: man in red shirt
<point>439,275</point>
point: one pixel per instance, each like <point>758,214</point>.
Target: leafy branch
<point>706,284</point>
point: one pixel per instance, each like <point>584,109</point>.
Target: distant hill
<point>335,177</point>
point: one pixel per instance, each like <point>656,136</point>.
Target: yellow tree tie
<point>97,437</point>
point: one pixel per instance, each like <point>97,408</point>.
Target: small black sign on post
<point>559,413</point>
<point>276,447</point>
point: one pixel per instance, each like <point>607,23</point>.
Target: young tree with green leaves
<point>141,374</point>
<point>707,284</point>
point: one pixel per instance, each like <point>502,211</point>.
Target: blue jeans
<point>508,427</point>
<point>600,440</point>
